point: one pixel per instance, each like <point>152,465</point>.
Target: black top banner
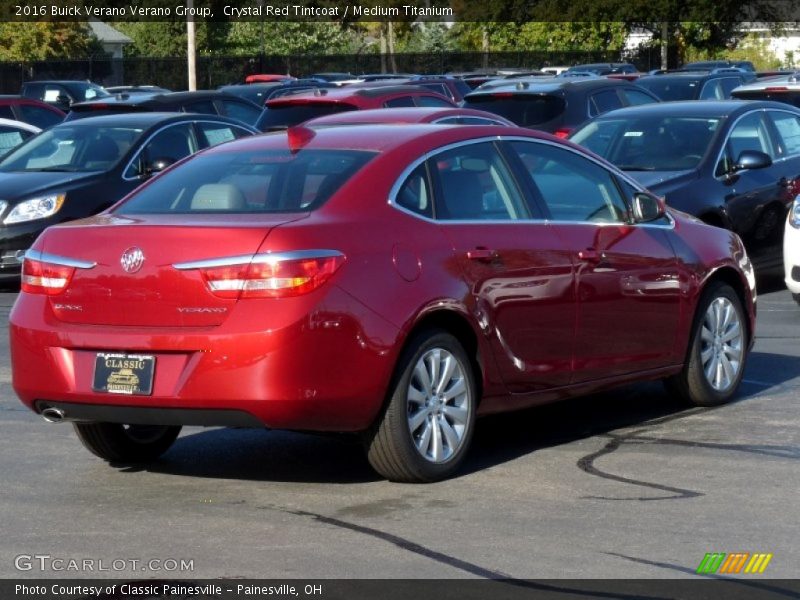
<point>629,11</point>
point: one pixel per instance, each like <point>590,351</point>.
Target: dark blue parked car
<point>733,164</point>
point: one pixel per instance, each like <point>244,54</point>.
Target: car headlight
<point>35,208</point>
<point>794,213</point>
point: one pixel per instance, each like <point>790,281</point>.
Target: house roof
<point>107,34</point>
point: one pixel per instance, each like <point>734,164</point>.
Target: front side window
<point>241,111</point>
<point>170,144</point>
<point>400,102</point>
<point>635,97</point>
<point>712,90</point>
<point>260,181</point>
<point>216,133</point>
<point>205,107</point>
<point>475,184</point>
<point>749,133</point>
<point>573,188</point>
<point>433,101</point>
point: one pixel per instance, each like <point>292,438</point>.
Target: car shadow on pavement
<point>262,455</point>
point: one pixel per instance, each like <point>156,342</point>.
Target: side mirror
<point>647,208</point>
<point>752,159</point>
<point>157,165</point>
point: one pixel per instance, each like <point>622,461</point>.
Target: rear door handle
<point>481,254</point>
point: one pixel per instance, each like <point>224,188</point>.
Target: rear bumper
<point>326,369</point>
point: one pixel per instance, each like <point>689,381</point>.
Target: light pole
<point>190,45</point>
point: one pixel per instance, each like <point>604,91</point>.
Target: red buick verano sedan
<point>394,281</point>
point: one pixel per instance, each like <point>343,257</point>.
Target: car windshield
<point>73,148</point>
<point>523,109</point>
<point>262,181</point>
<point>283,116</point>
<point>651,143</point>
<point>669,89</point>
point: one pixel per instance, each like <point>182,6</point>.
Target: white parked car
<point>791,250</point>
<point>13,133</point>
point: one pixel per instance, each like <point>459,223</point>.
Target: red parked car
<point>437,116</point>
<point>28,110</point>
<point>394,281</point>
<point>288,111</point>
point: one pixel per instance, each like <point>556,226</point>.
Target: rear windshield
<point>101,110</point>
<point>283,116</point>
<point>523,109</point>
<point>787,97</point>
<point>671,89</point>
<point>263,181</point>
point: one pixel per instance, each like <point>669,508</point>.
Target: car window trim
<point>395,189</point>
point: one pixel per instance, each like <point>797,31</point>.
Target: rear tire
<point>717,353</point>
<point>126,443</point>
<point>424,433</point>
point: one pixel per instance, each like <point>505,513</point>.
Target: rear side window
<point>400,102</point>
<point>205,107</point>
<point>712,90</point>
<point>635,97</point>
<point>241,111</point>
<point>41,117</point>
<point>7,113</point>
<point>415,193</point>
<point>439,88</point>
<point>475,184</point>
<point>212,134</point>
<point>282,116</point>
<point>788,126</point>
<point>602,102</point>
<point>433,101</point>
<point>262,181</point>
<point>572,187</point>
<point>33,90</point>
<point>523,109</point>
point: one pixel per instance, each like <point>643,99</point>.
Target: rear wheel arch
<point>713,218</point>
<point>457,325</point>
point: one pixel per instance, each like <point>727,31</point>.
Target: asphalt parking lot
<point>618,485</point>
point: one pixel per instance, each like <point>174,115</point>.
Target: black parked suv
<point>715,84</point>
<point>205,102</point>
<point>734,164</point>
<point>63,93</point>
<point>554,104</point>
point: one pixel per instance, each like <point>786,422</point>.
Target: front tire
<point>426,428</point>
<point>126,443</point>
<point>717,353</point>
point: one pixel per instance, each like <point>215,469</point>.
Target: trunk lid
<point>157,294</point>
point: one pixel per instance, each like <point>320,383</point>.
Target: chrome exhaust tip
<point>53,415</point>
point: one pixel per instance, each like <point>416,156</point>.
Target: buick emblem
<point>132,259</point>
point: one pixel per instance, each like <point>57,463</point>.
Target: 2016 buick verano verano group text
<point>391,281</point>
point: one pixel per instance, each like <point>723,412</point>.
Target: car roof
<point>401,115</point>
<point>543,85</point>
<point>145,98</point>
<point>694,108</point>
<point>147,119</point>
<point>377,138</point>
<point>333,95</point>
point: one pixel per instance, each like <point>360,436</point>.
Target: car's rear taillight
<point>562,132</point>
<point>40,277</point>
<point>269,275</point>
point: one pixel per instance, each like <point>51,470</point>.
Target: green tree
<point>45,40</point>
